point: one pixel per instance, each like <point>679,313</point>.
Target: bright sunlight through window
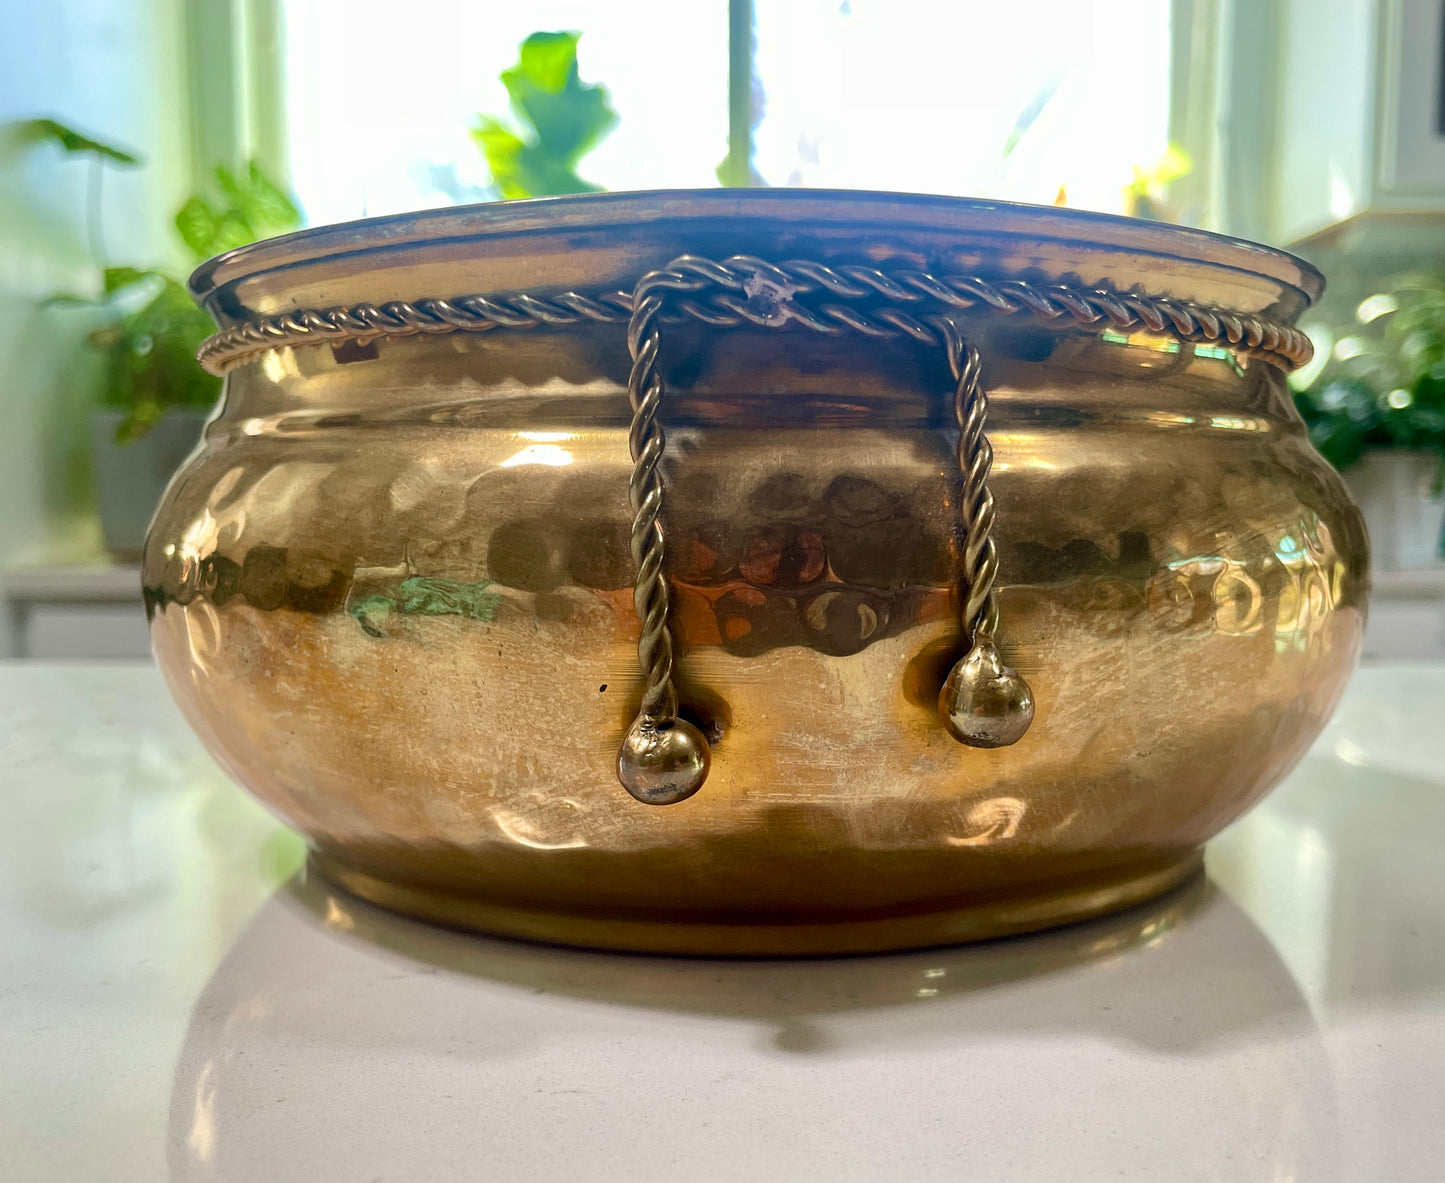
<point>1033,100</point>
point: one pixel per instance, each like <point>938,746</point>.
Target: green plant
<point>1384,383</point>
<point>149,342</point>
<point>562,120</point>
<point>152,326</point>
<point>242,209</point>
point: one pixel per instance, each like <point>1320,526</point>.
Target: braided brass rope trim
<point>880,304</point>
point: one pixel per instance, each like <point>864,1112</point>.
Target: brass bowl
<point>394,589</point>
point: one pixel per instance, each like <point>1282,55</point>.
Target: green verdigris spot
<point>419,596</point>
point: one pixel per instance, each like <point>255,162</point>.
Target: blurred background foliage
<point>151,327</point>
<point>1380,382</point>
<point>560,119</point>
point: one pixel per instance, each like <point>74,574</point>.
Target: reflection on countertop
<point>548,1061</point>
<point>178,996</point>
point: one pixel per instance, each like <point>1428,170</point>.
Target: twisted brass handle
<point>665,759</point>
<point>983,702</point>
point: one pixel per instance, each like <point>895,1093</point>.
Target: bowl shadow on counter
<point>322,987</point>
<point>1156,947</point>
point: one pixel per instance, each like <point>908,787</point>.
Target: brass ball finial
<point>983,702</point>
<point>663,762</point>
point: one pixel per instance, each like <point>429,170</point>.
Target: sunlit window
<point>381,104</point>
<point>1030,100</point>
<point>1033,100</point>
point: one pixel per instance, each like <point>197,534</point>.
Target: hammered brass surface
<point>393,593</point>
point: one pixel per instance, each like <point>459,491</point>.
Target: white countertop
<point>177,1002</point>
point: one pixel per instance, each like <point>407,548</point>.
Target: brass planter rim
<point>853,209</point>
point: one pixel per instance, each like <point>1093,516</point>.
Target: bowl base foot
<point>997,916</point>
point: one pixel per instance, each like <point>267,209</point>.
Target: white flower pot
<point>1405,517</point>
<point>130,477</point>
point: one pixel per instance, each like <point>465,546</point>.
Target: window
<point>966,97</point>
<point>381,106</point>
<point>1029,101</point>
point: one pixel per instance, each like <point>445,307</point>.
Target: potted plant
<point>1376,410</point>
<point>154,399</point>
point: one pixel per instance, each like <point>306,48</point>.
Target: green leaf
<point>258,202</point>
<point>1417,329</point>
<point>41,131</point>
<point>569,116</point>
<point>496,139</point>
<point>226,179</point>
<point>547,59</point>
<point>269,206</point>
<point>251,206</point>
<point>502,148</point>
<point>570,124</point>
<point>563,119</point>
<point>196,221</point>
<point>233,230</point>
<point>119,278</point>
